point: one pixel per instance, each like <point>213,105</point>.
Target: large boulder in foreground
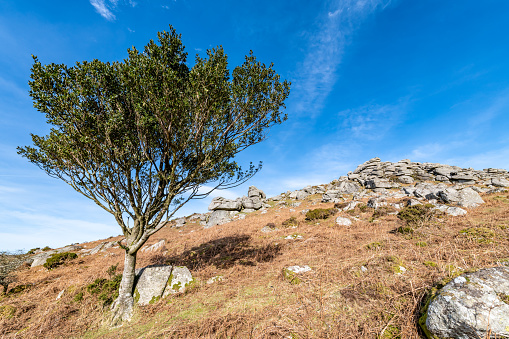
<point>472,304</point>
<point>158,281</point>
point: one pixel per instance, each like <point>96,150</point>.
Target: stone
<point>254,192</point>
<point>215,279</point>
<point>299,195</point>
<point>277,197</point>
<point>413,202</point>
<point>268,228</point>
<point>376,203</point>
<point>150,283</point>
<point>470,305</point>
<point>341,221</point>
<point>158,245</point>
<point>40,259</point>
<point>455,211</point>
<point>60,294</point>
<point>294,237</point>
<point>405,179</point>
<point>299,269</point>
<point>378,183</point>
<point>348,187</point>
<point>251,203</point>
<point>180,222</point>
<point>500,182</point>
<point>220,203</point>
<point>218,217</point>
<point>466,197</point>
<point>180,278</point>
<point>351,205</point>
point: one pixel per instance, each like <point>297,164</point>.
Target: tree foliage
<point>141,136</point>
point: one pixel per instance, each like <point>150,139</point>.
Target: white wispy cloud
<point>101,8</point>
<point>372,122</point>
<point>320,65</point>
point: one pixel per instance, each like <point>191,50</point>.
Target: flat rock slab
<point>470,305</point>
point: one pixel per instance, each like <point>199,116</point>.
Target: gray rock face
<point>40,259</point>
<point>252,203</point>
<point>254,192</point>
<point>470,305</point>
<point>466,197</point>
<point>379,183</point>
<point>299,195</point>
<point>348,187</point>
<point>376,203</point>
<point>220,203</point>
<point>218,217</point>
<point>180,278</point>
<point>341,221</point>
<point>155,247</point>
<point>500,182</point>
<point>154,282</point>
<point>405,179</point>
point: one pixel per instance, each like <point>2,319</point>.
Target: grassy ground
<point>337,299</point>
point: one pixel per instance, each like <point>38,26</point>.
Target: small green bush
<point>320,213</point>
<point>78,297</point>
<point>290,222</point>
<point>416,214</point>
<point>58,259</point>
<point>107,289</point>
<point>421,244</point>
<point>32,251</point>
<point>47,248</point>
<point>405,230</point>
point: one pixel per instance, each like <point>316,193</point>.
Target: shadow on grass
<point>222,253</point>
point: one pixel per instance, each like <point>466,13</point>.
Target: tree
<point>141,136</point>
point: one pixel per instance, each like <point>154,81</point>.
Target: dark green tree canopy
<point>140,136</point>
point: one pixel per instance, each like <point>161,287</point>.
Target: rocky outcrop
<point>471,305</point>
<point>158,281</point>
<point>223,210</point>
<point>40,258</point>
<point>374,174</point>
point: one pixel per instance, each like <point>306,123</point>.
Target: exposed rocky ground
<point>383,252</point>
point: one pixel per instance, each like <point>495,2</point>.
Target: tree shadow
<point>223,253</point>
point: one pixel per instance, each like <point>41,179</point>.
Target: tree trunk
<point>122,308</point>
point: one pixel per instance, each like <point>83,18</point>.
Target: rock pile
<point>223,209</point>
<point>377,174</point>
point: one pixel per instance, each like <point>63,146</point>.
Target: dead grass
<point>335,300</point>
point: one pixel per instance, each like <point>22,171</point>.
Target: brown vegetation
<point>337,299</point>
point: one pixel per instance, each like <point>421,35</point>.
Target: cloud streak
<point>101,8</point>
<point>320,65</point>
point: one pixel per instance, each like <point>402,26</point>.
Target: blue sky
<point>424,80</point>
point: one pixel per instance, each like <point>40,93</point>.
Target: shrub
<point>292,221</point>
<point>58,259</point>
<point>107,289</point>
<point>291,277</point>
<point>47,248</point>
<point>32,251</point>
<point>416,214</point>
<point>320,213</point>
<point>383,211</point>
<point>479,234</point>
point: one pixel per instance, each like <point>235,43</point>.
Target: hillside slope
<point>367,280</point>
